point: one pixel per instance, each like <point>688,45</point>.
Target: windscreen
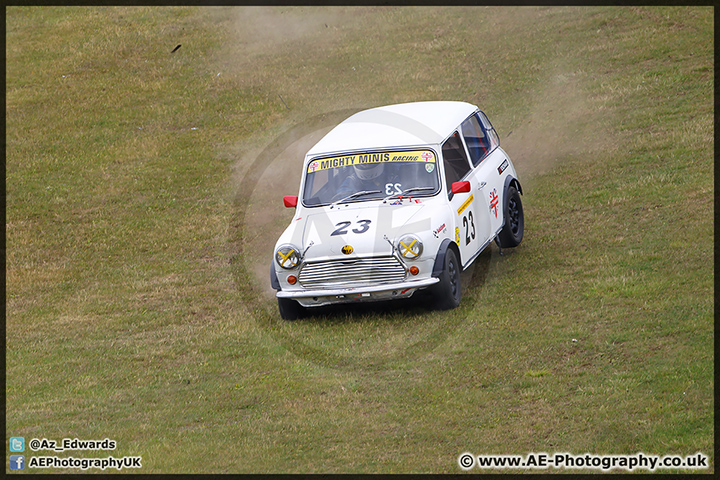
<point>370,176</point>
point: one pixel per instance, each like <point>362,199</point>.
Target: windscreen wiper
<point>354,195</point>
<point>409,190</point>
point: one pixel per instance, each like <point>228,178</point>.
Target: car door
<point>469,232</point>
<point>489,163</point>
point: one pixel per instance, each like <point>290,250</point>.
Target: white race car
<point>394,200</point>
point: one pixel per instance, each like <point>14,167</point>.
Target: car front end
<point>363,252</point>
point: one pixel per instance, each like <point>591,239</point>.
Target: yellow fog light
<point>287,256</point>
<point>410,247</point>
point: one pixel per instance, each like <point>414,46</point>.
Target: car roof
<point>395,126</point>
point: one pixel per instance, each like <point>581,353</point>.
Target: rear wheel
<point>512,233</point>
<point>290,309</point>
<point>446,294</point>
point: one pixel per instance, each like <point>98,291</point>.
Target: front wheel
<point>512,233</point>
<point>446,294</point>
<point>290,309</point>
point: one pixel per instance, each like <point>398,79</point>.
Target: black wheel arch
<point>510,180</point>
<point>439,264</point>
<point>274,282</point>
<point>514,182</point>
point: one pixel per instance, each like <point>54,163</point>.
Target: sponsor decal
<point>437,231</point>
<point>425,156</point>
<point>396,202</point>
<point>494,201</point>
<point>347,249</point>
<point>457,235</point>
<point>503,166</point>
<point>465,205</point>
<point>430,167</point>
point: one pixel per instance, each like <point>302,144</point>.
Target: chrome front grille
<point>352,272</point>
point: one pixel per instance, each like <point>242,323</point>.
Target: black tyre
<point>290,309</point>
<point>512,233</point>
<point>446,294</point>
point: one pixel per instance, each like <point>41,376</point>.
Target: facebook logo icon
<point>17,462</point>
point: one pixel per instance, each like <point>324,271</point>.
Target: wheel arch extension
<point>274,282</point>
<point>510,180</point>
<point>439,264</point>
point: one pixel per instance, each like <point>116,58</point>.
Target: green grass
<point>143,193</point>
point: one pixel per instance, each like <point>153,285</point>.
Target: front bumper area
<point>376,293</point>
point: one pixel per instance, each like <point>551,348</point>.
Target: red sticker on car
<point>502,167</point>
<point>494,201</point>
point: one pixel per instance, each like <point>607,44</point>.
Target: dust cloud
<point>266,215</point>
<point>561,122</point>
<point>559,119</point>
<point>261,28</point>
<point>260,36</point>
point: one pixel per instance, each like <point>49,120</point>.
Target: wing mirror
<point>290,201</point>
<point>460,187</point>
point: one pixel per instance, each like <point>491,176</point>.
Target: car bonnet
<point>359,230</point>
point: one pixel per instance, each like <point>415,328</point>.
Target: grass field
<point>143,201</point>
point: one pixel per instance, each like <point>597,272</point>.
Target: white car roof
<point>392,126</point>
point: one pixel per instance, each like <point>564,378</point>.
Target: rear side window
<point>454,159</point>
<point>477,142</point>
<point>490,131</point>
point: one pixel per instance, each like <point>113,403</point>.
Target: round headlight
<point>409,247</point>
<point>287,256</point>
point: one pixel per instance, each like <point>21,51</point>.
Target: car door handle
<point>482,185</point>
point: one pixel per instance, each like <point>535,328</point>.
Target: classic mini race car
<point>396,200</point>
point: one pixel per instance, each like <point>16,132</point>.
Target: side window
<point>492,135</point>
<point>454,159</point>
<point>477,142</point>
